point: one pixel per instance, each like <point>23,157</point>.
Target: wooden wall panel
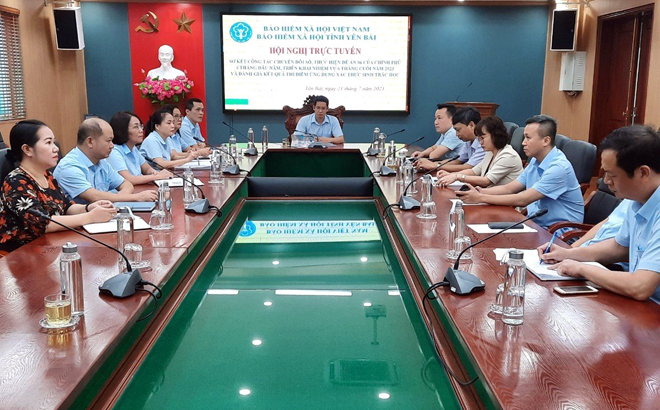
<point>573,114</point>
<point>55,89</point>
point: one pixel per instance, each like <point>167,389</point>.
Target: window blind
<point>12,95</point>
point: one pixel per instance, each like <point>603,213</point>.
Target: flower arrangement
<point>163,91</point>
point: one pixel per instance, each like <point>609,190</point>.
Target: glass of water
<point>133,252</point>
<point>460,243</point>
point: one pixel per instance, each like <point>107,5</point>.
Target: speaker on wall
<point>68,28</point>
<point>562,37</point>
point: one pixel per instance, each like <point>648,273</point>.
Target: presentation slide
<point>307,231</point>
<point>358,61</point>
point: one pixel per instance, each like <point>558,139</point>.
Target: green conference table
<point>323,310</point>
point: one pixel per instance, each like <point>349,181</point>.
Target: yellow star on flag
<point>184,23</point>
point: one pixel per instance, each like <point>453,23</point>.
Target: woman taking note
<point>158,144</point>
<point>500,165</point>
<point>125,157</point>
<point>29,186</point>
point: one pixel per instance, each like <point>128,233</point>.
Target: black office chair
<point>602,186</point>
<point>561,140</point>
<point>516,142</point>
<point>2,142</point>
<point>4,169</point>
<point>510,128</point>
<point>582,155</point>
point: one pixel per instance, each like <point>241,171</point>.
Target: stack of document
<point>538,269</point>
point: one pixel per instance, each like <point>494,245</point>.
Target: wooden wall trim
<point>10,10</point>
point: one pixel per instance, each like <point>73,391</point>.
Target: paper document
<point>111,226</point>
<point>453,200</point>
<point>177,182</point>
<point>453,185</point>
<point>541,271</point>
<point>196,164</point>
<point>483,228</point>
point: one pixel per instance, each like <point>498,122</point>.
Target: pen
<point>547,249</point>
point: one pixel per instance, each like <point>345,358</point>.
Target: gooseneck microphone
<point>316,143</point>
<point>200,206</point>
<point>372,152</point>
<point>462,282</point>
<point>463,92</point>
<point>251,150</point>
<point>386,171</point>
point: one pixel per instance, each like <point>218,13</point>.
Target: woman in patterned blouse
<point>28,185</point>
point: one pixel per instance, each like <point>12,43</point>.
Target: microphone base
<point>251,152</point>
<point>200,206</point>
<point>462,282</point>
<point>122,285</point>
<point>387,171</point>
<point>232,170</point>
<point>407,203</point>
<point>372,152</point>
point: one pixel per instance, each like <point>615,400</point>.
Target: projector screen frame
<point>277,111</point>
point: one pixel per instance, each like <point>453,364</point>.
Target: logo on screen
<point>249,229</point>
<point>240,32</point>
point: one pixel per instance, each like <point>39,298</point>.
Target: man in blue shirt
<point>632,170</point>
<point>549,180</point>
<point>320,124</point>
<point>85,174</point>
<point>190,133</point>
<point>447,146</point>
<point>465,120</point>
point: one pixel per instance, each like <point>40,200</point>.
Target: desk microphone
<point>200,206</point>
<point>251,151</point>
<point>372,152</point>
<point>386,171</point>
<point>119,286</point>
<point>462,282</point>
<point>406,203</point>
<point>315,144</point>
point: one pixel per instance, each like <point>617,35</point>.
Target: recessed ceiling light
<point>245,392</point>
<point>364,259</point>
<point>257,342</point>
<point>268,303</point>
<point>384,396</point>
<point>276,263</point>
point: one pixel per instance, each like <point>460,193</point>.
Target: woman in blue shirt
<point>158,145</point>
<point>125,157</point>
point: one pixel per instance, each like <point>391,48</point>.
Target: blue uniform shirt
<point>124,159</point>
<point>613,224</point>
<point>76,174</point>
<point>155,147</point>
<point>328,128</point>
<point>555,178</point>
<point>190,134</point>
<point>640,233</point>
<point>472,153</point>
<point>176,142</point>
<point>451,141</point>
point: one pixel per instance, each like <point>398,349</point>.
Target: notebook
<point>137,206</point>
<point>111,226</point>
<point>177,182</point>
<point>541,271</point>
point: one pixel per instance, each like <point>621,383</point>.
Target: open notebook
<point>541,271</point>
<point>111,226</point>
<point>176,182</point>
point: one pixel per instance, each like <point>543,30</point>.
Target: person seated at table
<point>158,144</point>
<point>501,163</point>
<point>125,158</point>
<point>190,131</point>
<point>629,157</point>
<point>320,124</point>
<point>471,153</point>
<point>179,148</point>
<point>448,145</point>
<point>549,180</point>
<point>29,186</point>
<point>87,176</point>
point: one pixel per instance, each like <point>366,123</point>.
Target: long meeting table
<point>582,352</point>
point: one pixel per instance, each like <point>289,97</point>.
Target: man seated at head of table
<point>158,145</point>
<point>632,171</point>
<point>320,124</point>
<point>500,165</point>
<point>448,145</point>
<point>471,153</point>
<point>29,186</point>
<point>548,181</point>
<point>189,132</point>
<point>87,176</point>
<point>125,157</point>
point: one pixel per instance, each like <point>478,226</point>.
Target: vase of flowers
<point>162,92</point>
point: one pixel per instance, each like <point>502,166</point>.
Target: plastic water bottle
<point>408,174</point>
<point>125,231</point>
<point>215,177</point>
<point>250,135</point>
<point>71,280</point>
<point>427,204</point>
<point>456,228</point>
<point>381,145</point>
<point>188,188</point>
<point>513,297</point>
<point>391,150</point>
<point>264,139</point>
<point>231,146</point>
<point>376,134</point>
<point>161,217</point>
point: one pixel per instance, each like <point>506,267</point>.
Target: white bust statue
<point>165,71</point>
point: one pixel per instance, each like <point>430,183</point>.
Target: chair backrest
<point>561,140</point>
<point>2,142</point>
<point>582,155</point>
<point>599,206</point>
<point>510,128</point>
<point>293,115</point>
<point>3,164</point>
<point>602,186</point>
<point>516,142</point>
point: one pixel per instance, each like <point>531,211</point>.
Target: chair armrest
<point>566,224</point>
<point>584,187</point>
<point>572,234</point>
